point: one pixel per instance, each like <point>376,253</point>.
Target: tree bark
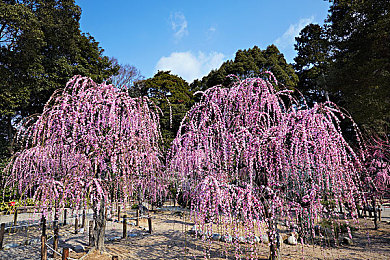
<point>10,135</point>
<point>376,224</point>
<point>273,236</point>
<point>99,227</point>
<point>274,241</point>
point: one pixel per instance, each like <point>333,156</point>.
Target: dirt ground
<point>170,240</point>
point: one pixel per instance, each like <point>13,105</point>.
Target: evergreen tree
<point>41,48</point>
<point>311,62</point>
<point>350,54</point>
<point>172,95</point>
<point>250,63</point>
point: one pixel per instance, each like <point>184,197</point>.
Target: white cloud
<point>288,38</point>
<point>179,25</point>
<point>212,29</point>
<point>190,66</point>
<point>210,33</point>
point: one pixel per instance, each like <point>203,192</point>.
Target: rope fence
<point>50,243</point>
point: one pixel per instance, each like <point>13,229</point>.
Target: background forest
<point>346,60</point>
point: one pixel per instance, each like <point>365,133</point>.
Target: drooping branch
<point>90,144</point>
<point>254,151</point>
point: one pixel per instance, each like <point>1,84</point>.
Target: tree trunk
<point>376,224</point>
<point>56,233</point>
<point>358,207</point>
<point>10,135</point>
<point>274,242</point>
<point>273,236</point>
<point>365,209</point>
<point>341,207</point>
<point>99,227</point>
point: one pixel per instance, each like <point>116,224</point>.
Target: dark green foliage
<point>250,63</point>
<point>41,48</point>
<point>349,57</point>
<point>336,227</point>
<point>311,63</point>
<point>161,88</point>
<point>360,37</point>
<point>183,200</point>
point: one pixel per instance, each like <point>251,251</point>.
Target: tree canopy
<point>250,63</point>
<point>41,48</point>
<point>250,155</point>
<point>349,57</point>
<point>91,145</point>
<point>172,95</point>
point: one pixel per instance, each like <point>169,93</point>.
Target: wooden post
<point>2,231</point>
<point>90,232</point>
<point>15,216</point>
<point>43,248</point>
<point>150,224</point>
<point>65,253</point>
<point>65,211</point>
<point>115,257</point>
<point>55,246</point>
<point>119,212</point>
<point>137,218</point>
<point>76,225</point>
<point>43,221</point>
<point>84,218</point>
<point>124,226</point>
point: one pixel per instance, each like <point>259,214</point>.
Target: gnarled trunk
<point>273,236</point>
<point>274,241</point>
<point>99,226</point>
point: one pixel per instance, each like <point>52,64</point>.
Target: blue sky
<point>192,37</point>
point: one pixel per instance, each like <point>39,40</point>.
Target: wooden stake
<point>43,221</point>
<point>55,246</point>
<point>124,226</point>
<point>43,248</point>
<point>84,218</point>
<point>65,253</point>
<point>16,216</point>
<point>119,213</point>
<point>137,218</point>
<point>150,224</point>
<point>65,211</point>
<point>2,231</point>
<point>90,232</point>
<point>76,225</point>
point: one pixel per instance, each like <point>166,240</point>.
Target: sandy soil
<point>170,240</point>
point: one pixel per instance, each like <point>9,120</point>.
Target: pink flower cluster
<point>91,142</point>
<point>252,154</point>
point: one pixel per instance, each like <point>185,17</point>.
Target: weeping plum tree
<point>90,144</point>
<point>376,177</point>
<point>250,155</point>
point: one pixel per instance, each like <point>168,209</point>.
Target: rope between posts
<point>135,218</point>
<point>59,253</point>
<point>38,223</point>
<point>52,249</point>
<point>18,226</point>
